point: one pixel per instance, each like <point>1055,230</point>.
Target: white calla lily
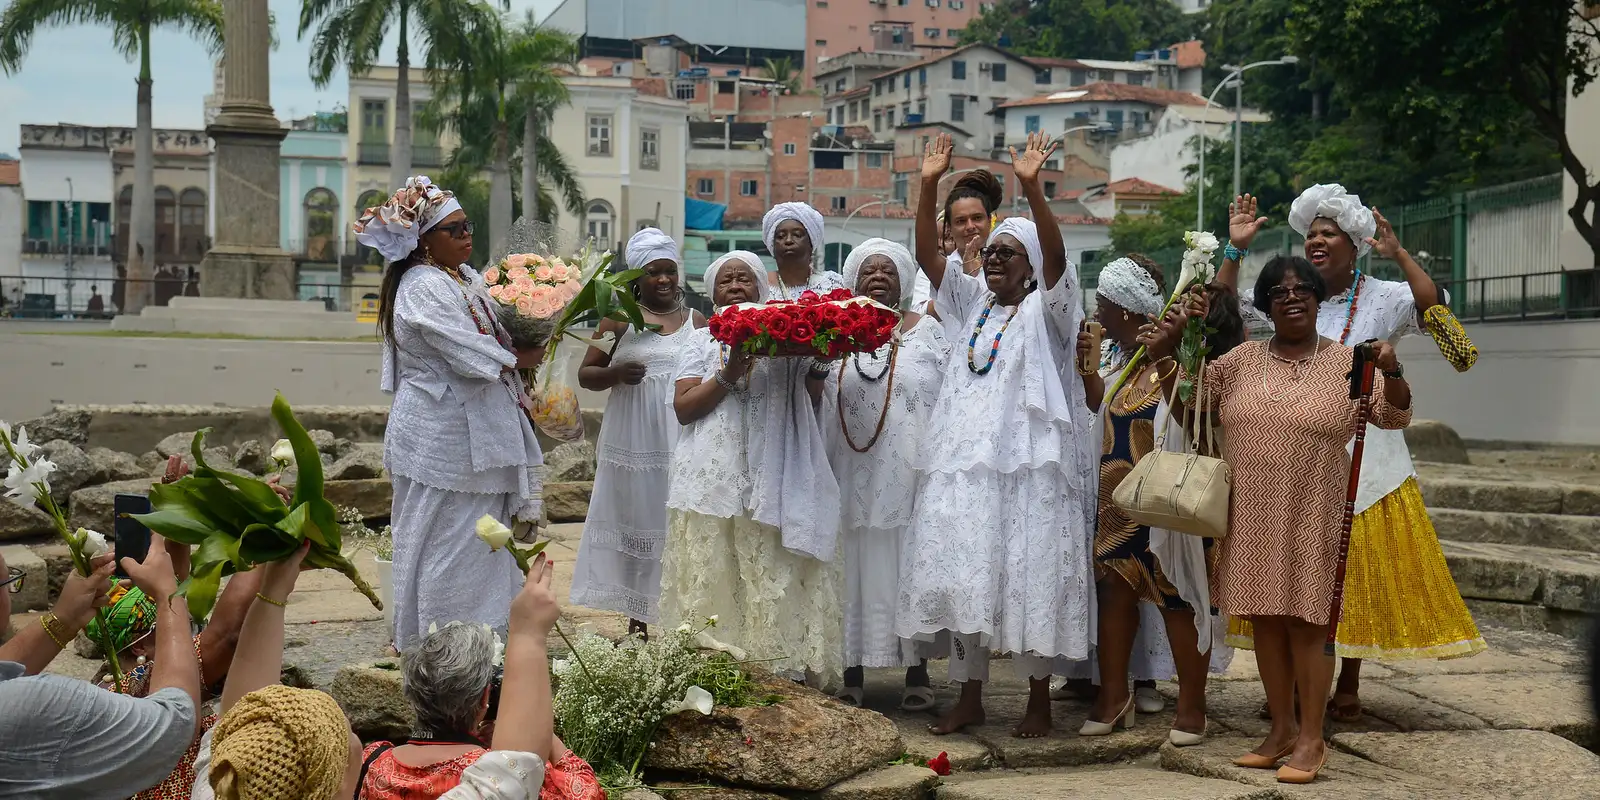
<point>695,699</point>
<point>492,532</point>
<point>94,542</point>
<point>283,453</point>
<point>708,642</point>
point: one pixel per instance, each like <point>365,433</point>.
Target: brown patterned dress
<point>1121,545</point>
<point>1287,424</point>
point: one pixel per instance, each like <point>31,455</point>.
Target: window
<point>598,219</point>
<point>933,3</point>
<point>838,85</point>
<point>839,203</point>
<point>922,76</point>
<point>683,90</point>
<point>908,80</point>
<point>998,72</point>
<point>930,33</point>
<point>822,42</point>
<point>958,109</point>
<point>999,142</point>
<point>725,87</point>
<point>954,33</point>
<point>902,185</point>
<point>649,148</point>
<point>874,161</point>
<point>706,187</point>
<point>599,134</point>
<point>788,148</point>
<point>1080,116</point>
<point>1041,76</point>
<point>1079,78</point>
<point>889,118</point>
<point>958,70</point>
<point>922,108</point>
<point>854,116</point>
<point>877,122</point>
<point>375,121</point>
<point>1049,188</point>
<point>1136,78</point>
<point>957,5</point>
<point>748,188</point>
<point>1053,164</point>
<point>1030,123</point>
<point>166,222</point>
<point>1114,118</point>
<point>902,2</point>
<point>822,3</point>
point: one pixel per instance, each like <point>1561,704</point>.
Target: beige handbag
<point>1183,492</point>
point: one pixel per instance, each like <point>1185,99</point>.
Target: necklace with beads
<point>883,415</point>
<point>489,328</point>
<point>1295,363</point>
<point>1350,314</point>
<point>994,350</point>
<point>887,365</point>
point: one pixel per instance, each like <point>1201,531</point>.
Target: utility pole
<point>71,266</point>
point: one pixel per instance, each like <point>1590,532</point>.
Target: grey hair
<point>445,676</point>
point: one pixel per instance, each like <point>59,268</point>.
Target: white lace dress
<point>619,561</point>
<point>821,281</point>
<point>1000,538</point>
<point>877,488</point>
<point>457,446</point>
<point>752,520</point>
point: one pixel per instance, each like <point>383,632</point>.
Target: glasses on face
<point>999,253</point>
<point>13,581</point>
<point>1300,291</point>
<point>457,230</point>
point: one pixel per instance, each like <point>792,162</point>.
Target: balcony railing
<point>379,153</point>
<point>373,153</point>
<point>92,246</point>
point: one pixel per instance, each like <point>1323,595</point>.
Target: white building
<point>1123,110</point>
<point>1166,151</point>
<point>10,218</point>
<point>67,181</point>
<point>629,150</point>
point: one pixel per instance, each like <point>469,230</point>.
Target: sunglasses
<point>457,230</point>
<point>1300,291</point>
<point>1000,253</point>
<point>13,583</point>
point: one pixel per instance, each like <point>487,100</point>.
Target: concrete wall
<point>11,225</point>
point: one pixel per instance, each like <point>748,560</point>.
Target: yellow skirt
<point>1399,599</point>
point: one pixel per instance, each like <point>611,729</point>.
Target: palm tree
<point>782,71</point>
<point>507,75</point>
<point>351,32</point>
<point>131,22</point>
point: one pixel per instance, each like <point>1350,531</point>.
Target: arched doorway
<point>166,224</point>
<point>192,239</point>
<point>598,223</point>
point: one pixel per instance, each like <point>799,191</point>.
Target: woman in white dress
<point>998,552</point>
<point>753,507</point>
<point>619,561</point>
<point>875,413</point>
<point>793,233</point>
<point>458,444</point>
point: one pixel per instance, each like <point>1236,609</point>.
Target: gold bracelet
<point>44,622</point>
<point>278,603</point>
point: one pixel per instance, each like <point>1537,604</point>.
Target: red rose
<point>777,323</point>
<point>827,317</point>
<point>839,294</point>
<point>808,298</point>
<point>741,329</point>
<point>940,764</point>
<point>802,332</point>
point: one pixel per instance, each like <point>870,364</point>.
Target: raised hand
<point>1243,222</point>
<point>936,157</point>
<point>1386,243</point>
<point>1160,339</point>
<point>1038,150</point>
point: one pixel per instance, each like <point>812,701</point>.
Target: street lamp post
<point>1235,78</point>
<point>71,268</point>
<point>883,203</point>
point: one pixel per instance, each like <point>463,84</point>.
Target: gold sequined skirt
<point>1399,599</point>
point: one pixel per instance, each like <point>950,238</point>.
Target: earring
<point>139,661</point>
<point>1125,315</point>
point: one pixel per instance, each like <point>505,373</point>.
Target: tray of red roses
<point>827,325</point>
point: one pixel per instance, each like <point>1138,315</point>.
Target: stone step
<point>1528,588</point>
<point>1127,783</point>
<point>1509,493</point>
<point>1558,531</point>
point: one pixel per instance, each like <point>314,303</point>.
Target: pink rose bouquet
<point>533,292</point>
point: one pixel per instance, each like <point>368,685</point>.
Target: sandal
<point>852,696</point>
<point>1348,712</point>
<point>917,698</point>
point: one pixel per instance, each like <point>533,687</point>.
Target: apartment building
<point>370,134</point>
<point>920,27</point>
<point>845,83</point>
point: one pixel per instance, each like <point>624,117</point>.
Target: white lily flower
<point>433,628</point>
<point>559,666</point>
<point>5,430</point>
<point>94,542</point>
<point>19,481</point>
<point>283,453</point>
<point>711,620</point>
<point>21,444</point>
<point>707,642</point>
<point>492,532</point>
<point>695,699</point>
<point>685,628</point>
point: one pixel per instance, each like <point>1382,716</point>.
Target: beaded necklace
<point>878,377</point>
<point>517,395</point>
<point>994,350</point>
<point>883,415</point>
<point>1268,356</point>
<point>1350,315</point>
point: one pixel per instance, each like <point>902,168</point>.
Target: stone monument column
<point>246,259</point>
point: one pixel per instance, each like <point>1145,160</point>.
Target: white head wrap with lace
<point>747,258</point>
<point>1025,232</point>
<point>650,245</point>
<point>394,228</point>
<point>904,264</point>
<point>799,212</point>
<point>1330,200</point>
<point>1130,287</point>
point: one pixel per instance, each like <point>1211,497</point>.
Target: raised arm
<point>527,721</point>
<point>258,659</point>
<point>1424,292</point>
<point>35,646</point>
<point>1243,225</point>
<point>1027,166</point>
<point>935,163</point>
<point>175,667</point>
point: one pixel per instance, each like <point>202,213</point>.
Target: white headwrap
<point>904,264</point>
<point>650,245</point>
<point>747,258</point>
<point>1024,231</point>
<point>394,227</point>
<point>801,213</point>
<point>1131,287</point>
<point>1330,200</point>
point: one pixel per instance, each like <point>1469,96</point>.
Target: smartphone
<point>1090,363</point>
<point>132,537</point>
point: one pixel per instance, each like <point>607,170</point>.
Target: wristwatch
<point>1399,372</point>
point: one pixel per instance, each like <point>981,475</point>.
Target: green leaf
<point>195,449</point>
<point>201,591</point>
<point>261,544</point>
<point>179,524</point>
<point>218,548</point>
<point>323,527</point>
<point>264,504</point>
<point>307,460</point>
<point>294,525</point>
<point>220,503</point>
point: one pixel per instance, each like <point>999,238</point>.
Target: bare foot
<point>1345,707</point>
<point>962,716</point>
<point>1035,721</point>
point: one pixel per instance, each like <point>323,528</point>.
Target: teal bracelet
<point>1232,253</point>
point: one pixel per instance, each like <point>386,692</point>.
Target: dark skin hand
<point>662,305</point>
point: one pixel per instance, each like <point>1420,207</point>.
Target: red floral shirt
<point>570,778</point>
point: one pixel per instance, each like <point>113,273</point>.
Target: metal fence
<point>49,297</point>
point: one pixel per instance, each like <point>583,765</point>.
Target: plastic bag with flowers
<point>829,326</point>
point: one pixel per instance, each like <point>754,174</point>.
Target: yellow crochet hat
<point>280,743</point>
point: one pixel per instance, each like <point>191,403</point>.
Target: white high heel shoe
<point>1184,738</point>
<point>1124,720</point>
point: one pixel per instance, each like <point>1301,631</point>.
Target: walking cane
<point>1361,378</point>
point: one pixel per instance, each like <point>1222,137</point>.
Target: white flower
<point>94,542</point>
<point>19,481</point>
<point>685,628</point>
<point>708,642</point>
<point>20,443</point>
<point>711,620</point>
<point>559,666</point>
<point>1201,240</point>
<point>499,648</point>
<point>5,430</point>
<point>283,453</point>
<point>695,699</point>
<point>433,628</point>
<point>492,532</point>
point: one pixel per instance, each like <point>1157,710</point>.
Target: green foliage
<point>730,685</point>
<point>782,70</point>
<point>131,22</point>
<point>1109,29</point>
<point>1161,229</point>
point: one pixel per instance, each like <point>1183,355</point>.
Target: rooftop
<point>1189,54</point>
<point>1111,92</point>
<point>1087,63</point>
<point>1138,186</point>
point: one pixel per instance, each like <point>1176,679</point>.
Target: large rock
<point>92,508</point>
<point>73,470</point>
<point>23,522</point>
<point>35,592</point>
<point>253,457</point>
<point>178,444</point>
<point>567,502</point>
<point>150,460</point>
<point>68,426</point>
<point>329,445</point>
<point>807,742</point>
<point>359,463</point>
<point>371,697</point>
<point>374,498</point>
<point>574,461</point>
<point>110,465</point>
<point>1430,440</point>
<point>1113,784</point>
<point>1514,763</point>
<point>899,782</point>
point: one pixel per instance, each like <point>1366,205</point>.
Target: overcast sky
<point>73,75</point>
